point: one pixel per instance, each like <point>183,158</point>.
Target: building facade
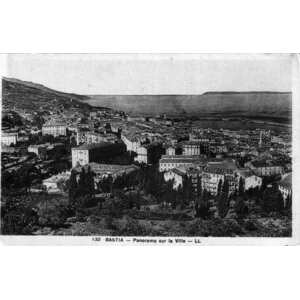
<point>9,138</point>
<point>54,129</point>
<point>168,162</point>
<point>101,152</point>
<point>263,168</point>
<point>38,150</point>
<point>191,148</point>
<point>285,187</point>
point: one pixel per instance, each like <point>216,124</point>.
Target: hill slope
<point>31,96</point>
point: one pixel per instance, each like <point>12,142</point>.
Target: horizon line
<point>168,94</point>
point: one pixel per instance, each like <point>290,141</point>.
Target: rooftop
<point>245,172</point>
<point>9,133</point>
<point>108,168</point>
<point>92,146</point>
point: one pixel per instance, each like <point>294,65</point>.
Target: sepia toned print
<point>134,146</point>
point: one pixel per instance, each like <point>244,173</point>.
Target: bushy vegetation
<point>143,204</point>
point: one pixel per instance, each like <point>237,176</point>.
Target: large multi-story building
<point>54,129</point>
<point>101,152</point>
<point>264,168</point>
<point>217,171</point>
<point>9,138</point>
<point>168,162</point>
<point>176,175</point>
<point>170,150</point>
<point>104,170</point>
<point>142,155</point>
<point>251,180</point>
<point>191,148</point>
<point>217,148</point>
<point>131,143</point>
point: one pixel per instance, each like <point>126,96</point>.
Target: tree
<point>89,182</point>
<point>264,183</point>
<point>241,186</point>
<point>106,184</point>
<point>187,190</point>
<point>240,207</point>
<point>223,203</point>
<point>199,186</point>
<point>272,200</point>
<point>27,174</point>
<point>220,184</point>
<point>201,202</point>
<point>73,186</point>
<point>288,202</point>
<point>82,188</point>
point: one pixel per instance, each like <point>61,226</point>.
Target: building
<point>38,150</point>
<point>94,138</point>
<point>176,175</point>
<point>54,129</point>
<point>170,151</point>
<point>142,155</point>
<point>131,143</point>
<point>104,170</point>
<point>196,137</point>
<point>9,138</point>
<point>217,171</point>
<point>264,168</point>
<point>169,162</point>
<point>265,138</point>
<point>55,183</point>
<point>251,181</point>
<point>285,186</point>
<point>100,152</point>
<point>217,148</point>
<point>191,148</point>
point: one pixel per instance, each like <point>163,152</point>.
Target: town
<point>98,171</point>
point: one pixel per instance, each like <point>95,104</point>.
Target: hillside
<point>234,103</point>
<point>18,94</point>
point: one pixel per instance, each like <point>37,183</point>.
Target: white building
<point>54,129</point>
<point>220,170</point>
<point>168,162</point>
<point>285,186</point>
<point>191,148</point>
<point>176,175</point>
<point>8,138</point>
<point>250,179</point>
<point>80,156</point>
<point>264,168</point>
<point>170,151</point>
<point>210,181</point>
<point>142,155</point>
<point>38,150</point>
<point>131,144</point>
<point>52,183</point>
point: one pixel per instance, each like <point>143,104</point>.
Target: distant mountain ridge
<point>29,95</point>
<point>252,103</point>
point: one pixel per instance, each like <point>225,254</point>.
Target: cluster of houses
<point>211,155</point>
<point>211,173</point>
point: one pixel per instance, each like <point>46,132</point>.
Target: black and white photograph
<point>137,148</point>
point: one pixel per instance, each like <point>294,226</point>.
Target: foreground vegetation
<point>144,205</point>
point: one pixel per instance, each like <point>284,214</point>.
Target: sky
<point>140,74</point>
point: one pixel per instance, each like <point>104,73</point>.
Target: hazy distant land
<point>269,106</point>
